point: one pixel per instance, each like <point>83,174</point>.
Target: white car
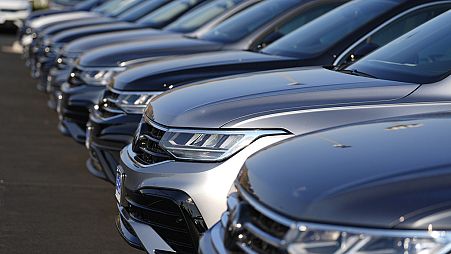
<point>14,11</point>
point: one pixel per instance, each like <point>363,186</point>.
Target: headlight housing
<point>99,77</point>
<point>318,239</point>
<point>133,103</point>
<point>210,145</point>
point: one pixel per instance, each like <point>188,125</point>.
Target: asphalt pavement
<point>49,203</point>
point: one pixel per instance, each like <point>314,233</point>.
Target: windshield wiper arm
<point>357,73</point>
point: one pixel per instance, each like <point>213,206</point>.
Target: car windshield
<point>200,16</point>
<point>107,5</point>
<point>248,21</point>
<point>168,12</point>
<point>421,56</point>
<point>85,4</point>
<point>116,7</point>
<point>140,10</point>
<point>322,33</point>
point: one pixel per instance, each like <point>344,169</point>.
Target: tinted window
<point>124,5</point>
<point>85,4</point>
<point>420,56</point>
<point>397,28</point>
<point>109,5</point>
<point>323,32</point>
<point>142,9</point>
<point>168,12</point>
<point>249,21</point>
<point>311,11</point>
<point>202,15</point>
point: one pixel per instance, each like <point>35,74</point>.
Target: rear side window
<point>168,12</point>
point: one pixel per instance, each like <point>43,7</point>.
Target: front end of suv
<point>174,161</point>
<point>351,202</point>
<point>249,226</point>
<point>79,95</point>
<point>111,125</point>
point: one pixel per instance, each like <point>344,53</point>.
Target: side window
<point>393,30</point>
<point>295,22</point>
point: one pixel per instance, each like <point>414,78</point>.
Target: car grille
<point>146,144</point>
<point>171,214</point>
<point>260,232</point>
<point>108,105</point>
<point>75,78</point>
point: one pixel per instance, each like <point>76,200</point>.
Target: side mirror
<point>362,51</point>
<point>270,38</point>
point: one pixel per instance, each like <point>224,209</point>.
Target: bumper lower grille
<point>170,214</point>
<point>146,144</point>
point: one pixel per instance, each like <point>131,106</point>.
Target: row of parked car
<point>301,126</point>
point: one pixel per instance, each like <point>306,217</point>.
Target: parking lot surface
<point>48,201</point>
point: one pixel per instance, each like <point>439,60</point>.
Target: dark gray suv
<point>194,140</point>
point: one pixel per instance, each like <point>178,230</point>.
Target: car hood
<point>76,33</point>
<point>215,103</point>
<point>113,55</point>
<point>78,23</point>
<point>46,20</point>
<point>175,71</point>
<point>384,174</point>
<point>95,41</point>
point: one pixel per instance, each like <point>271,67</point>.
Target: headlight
<point>99,77</point>
<point>133,103</point>
<point>322,240</point>
<point>206,145</point>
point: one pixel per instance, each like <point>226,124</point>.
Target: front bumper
<point>73,109</point>
<point>105,140</point>
<point>206,183</point>
<point>213,241</point>
<point>170,214</point>
<point>55,80</point>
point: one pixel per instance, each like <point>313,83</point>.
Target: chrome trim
<point>110,68</point>
<point>133,92</point>
<point>302,226</point>
<point>154,124</point>
<point>108,118</point>
<point>131,155</point>
<point>217,239</point>
<point>302,111</point>
<point>348,50</point>
<point>276,242</point>
<point>116,111</point>
<point>139,61</point>
<point>265,211</point>
<point>246,249</point>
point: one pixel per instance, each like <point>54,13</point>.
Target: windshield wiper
<point>357,73</point>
